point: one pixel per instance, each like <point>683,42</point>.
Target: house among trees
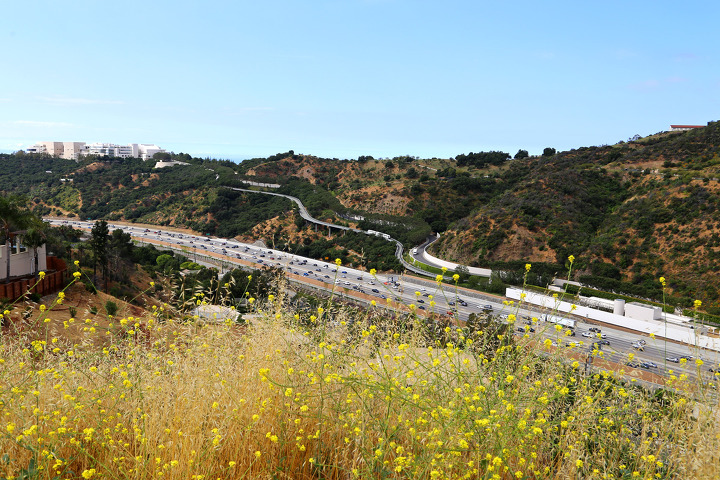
<point>22,258</point>
<point>23,253</point>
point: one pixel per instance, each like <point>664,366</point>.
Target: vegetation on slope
<point>328,393</point>
<point>631,210</point>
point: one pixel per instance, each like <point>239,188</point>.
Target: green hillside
<point>629,212</point>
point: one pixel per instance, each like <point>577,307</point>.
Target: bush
<point>111,308</point>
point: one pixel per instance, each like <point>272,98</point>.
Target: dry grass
<point>334,395</point>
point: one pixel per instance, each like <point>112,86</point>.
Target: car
<point>383,296</point>
<point>638,346</point>
<point>587,335</point>
<point>641,342</point>
<point>604,342</point>
<point>633,364</point>
<point>375,290</point>
<point>422,307</point>
<point>451,303</point>
<point>595,329</point>
<point>646,365</point>
<point>463,303</point>
<point>487,308</point>
<point>359,278</point>
<point>426,294</point>
<point>420,300</point>
<point>673,359</point>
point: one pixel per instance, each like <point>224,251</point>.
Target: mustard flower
<point>571,258</point>
<point>373,272</point>
<point>41,275</point>
<point>697,304</point>
<point>527,267</point>
<point>456,277</point>
<point>438,278</point>
<point>444,269</point>
<point>77,263</point>
<point>662,281</point>
<point>77,274</point>
<point>338,262</point>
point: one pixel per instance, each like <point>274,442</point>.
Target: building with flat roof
<point>74,150</point>
<point>682,128</point>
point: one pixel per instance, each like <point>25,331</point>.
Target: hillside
<point>629,212</point>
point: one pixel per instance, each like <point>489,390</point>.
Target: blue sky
<point>342,78</point>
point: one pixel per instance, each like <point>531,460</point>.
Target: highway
<point>397,292</point>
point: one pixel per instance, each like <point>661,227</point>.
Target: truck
<point>565,322</point>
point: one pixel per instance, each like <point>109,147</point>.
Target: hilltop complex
<point>73,150</point>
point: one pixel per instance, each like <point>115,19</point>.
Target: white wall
<point>659,328</point>
<point>22,264</point>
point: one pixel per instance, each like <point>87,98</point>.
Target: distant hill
<point>629,212</point>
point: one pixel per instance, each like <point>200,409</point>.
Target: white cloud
<point>68,101</point>
<point>35,123</point>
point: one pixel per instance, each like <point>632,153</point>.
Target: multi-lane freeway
<point>395,291</point>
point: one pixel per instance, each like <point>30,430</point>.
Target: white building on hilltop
<point>74,150</point>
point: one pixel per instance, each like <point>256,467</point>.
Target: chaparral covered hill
<point>629,212</point>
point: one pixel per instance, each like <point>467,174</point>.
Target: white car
<point>588,335</point>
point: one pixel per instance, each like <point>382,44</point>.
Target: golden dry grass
<point>335,395</point>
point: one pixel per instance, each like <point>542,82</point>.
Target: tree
<point>548,152</point>
<point>99,236</point>
<point>119,253</point>
<point>464,273</point>
<point>13,216</point>
<point>35,237</point>
<point>521,154</point>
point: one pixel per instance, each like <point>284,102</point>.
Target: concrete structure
<point>49,148</point>
<point>73,150</point>
<point>668,326</point>
<point>215,313</point>
<point>169,164</point>
<point>639,311</point>
<point>682,128</point>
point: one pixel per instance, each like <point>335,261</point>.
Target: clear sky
<point>343,78</point>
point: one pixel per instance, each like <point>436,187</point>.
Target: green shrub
<point>111,308</point>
